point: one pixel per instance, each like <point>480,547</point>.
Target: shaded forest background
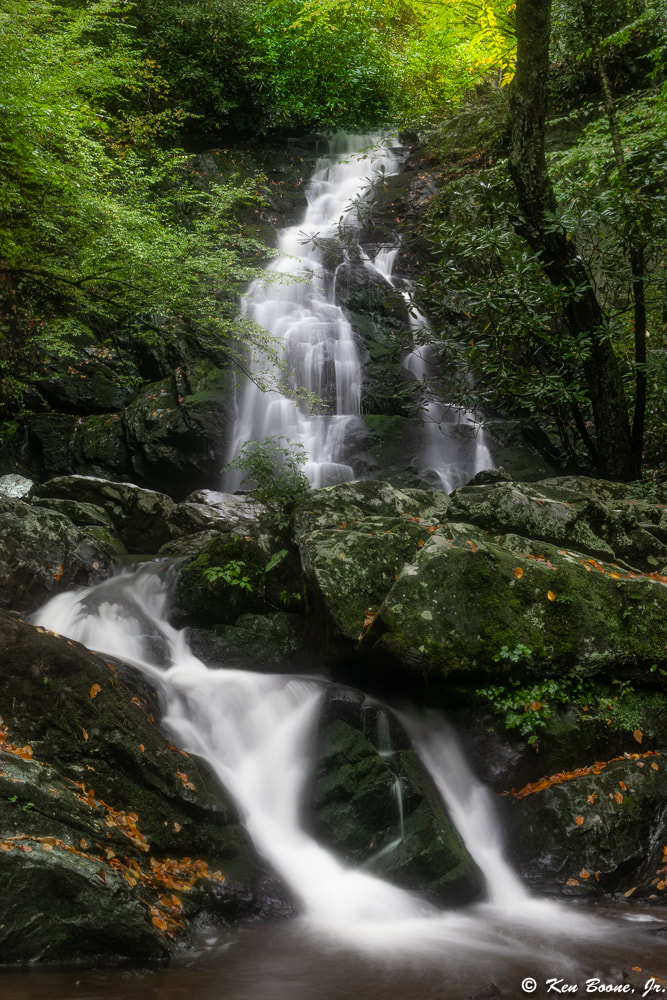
<point>542,241</point>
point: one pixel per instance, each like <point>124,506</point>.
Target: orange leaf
<point>638,735</point>
<point>58,573</point>
<point>630,891</point>
<point>518,572</point>
<point>654,766</point>
<point>618,797</point>
<point>551,595</point>
<point>85,735</point>
<point>95,690</point>
<point>622,786</point>
<point>572,881</point>
<point>584,874</point>
<point>591,798</point>
<point>579,820</point>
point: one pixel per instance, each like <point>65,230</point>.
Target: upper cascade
<point>313,337</point>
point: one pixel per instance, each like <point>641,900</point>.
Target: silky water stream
<point>356,934</point>
<point>296,303</point>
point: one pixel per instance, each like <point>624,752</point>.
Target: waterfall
<point>317,346</point>
<point>295,303</point>
<point>256,731</point>
<point>452,446</point>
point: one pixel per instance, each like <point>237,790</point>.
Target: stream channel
<point>356,935</point>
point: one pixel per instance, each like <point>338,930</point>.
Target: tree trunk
<point>547,237</point>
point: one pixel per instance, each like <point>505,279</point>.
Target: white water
<point>313,337</point>
<point>256,732</point>
<point>452,444</point>
<point>317,346</point>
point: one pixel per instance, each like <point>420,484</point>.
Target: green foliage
<point>273,473</point>
<point>231,573</point>
<point>529,707</point>
<point>98,223</point>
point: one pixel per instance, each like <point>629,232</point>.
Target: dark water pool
<point>289,962</point>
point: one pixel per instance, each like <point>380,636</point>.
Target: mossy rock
<point>119,838</point>
<point>382,810</point>
<point>603,830</point>
<point>466,596</point>
<point>42,552</point>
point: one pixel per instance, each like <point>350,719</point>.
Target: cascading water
<point>255,731</point>
<point>312,334</point>
<point>317,346</point>
<point>452,445</point>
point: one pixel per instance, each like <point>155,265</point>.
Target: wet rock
<point>42,552</point>
<point>231,573</point>
<point>208,509</point>
<point>175,431</point>
<point>111,839</point>
<point>381,809</point>
<point>567,512</point>
<point>436,585</point>
<point>600,831</point>
<point>15,487</point>
<point>140,516</point>
<point>270,643</point>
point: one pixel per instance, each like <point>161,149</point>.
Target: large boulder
<point>436,585</point>
<point>600,828</point>
<point>43,552</point>
<point>572,513</point>
<point>374,803</point>
<point>230,573</point>
<point>112,840</point>
<point>141,517</point>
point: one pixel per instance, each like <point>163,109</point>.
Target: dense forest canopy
<point>546,268</point>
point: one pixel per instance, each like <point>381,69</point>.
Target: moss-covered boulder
<point>112,840</point>
<point>141,517</point>
<point>43,552</point>
<point>270,643</point>
<point>437,585</point>
<point>566,512</point>
<point>230,573</point>
<point>374,804</point>
<point>354,540</point>
<point>505,604</point>
<point>601,828</point>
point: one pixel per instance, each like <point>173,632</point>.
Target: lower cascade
<point>257,730</point>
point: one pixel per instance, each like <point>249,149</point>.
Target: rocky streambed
<point>532,613</point>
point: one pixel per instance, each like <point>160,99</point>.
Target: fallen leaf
<point>618,797</point>
<point>638,735</point>
<point>591,798</point>
<point>95,690</point>
<point>572,881</point>
<point>630,891</point>
<point>518,572</point>
<point>551,595</point>
<point>58,573</point>
<point>654,766</point>
<point>584,874</point>
<point>177,827</point>
<point>579,820</point>
<point>85,735</point>
<point>622,786</point>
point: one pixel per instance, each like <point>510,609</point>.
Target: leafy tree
<point>550,278</point>
<point>100,226</point>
